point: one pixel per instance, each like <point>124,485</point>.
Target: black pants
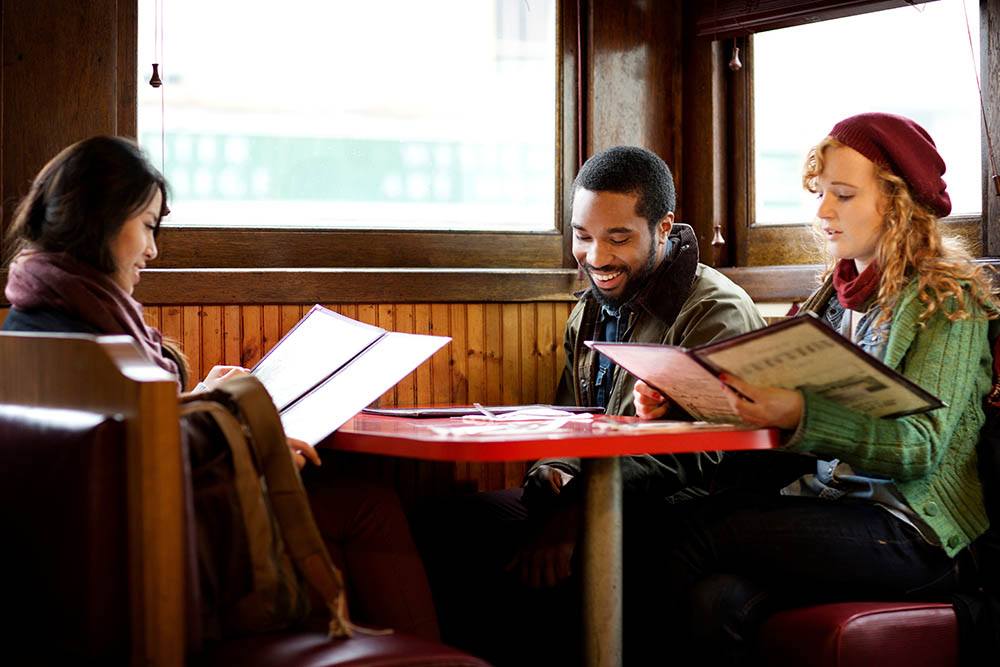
<point>727,561</point>
<point>467,543</point>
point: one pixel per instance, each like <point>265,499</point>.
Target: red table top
<point>452,439</point>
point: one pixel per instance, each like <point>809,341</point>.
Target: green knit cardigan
<point>930,456</point>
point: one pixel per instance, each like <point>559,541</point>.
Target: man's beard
<point>633,282</point>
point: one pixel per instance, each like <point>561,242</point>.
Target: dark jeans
<point>729,560</point>
<point>467,543</point>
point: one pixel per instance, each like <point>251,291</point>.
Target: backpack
<point>257,543</point>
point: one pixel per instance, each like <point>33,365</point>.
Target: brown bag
<point>273,519</point>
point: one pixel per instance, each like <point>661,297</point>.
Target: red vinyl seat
<point>862,634</point>
<point>68,504</point>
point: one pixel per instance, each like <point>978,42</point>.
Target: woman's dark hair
<point>81,199</point>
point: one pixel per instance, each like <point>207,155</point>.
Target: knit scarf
<point>854,290</point>
<point>58,281</point>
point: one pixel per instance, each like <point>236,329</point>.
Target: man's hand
<point>649,403</point>
<point>301,451</point>
<point>767,407</point>
<point>219,374</point>
<point>547,559</point>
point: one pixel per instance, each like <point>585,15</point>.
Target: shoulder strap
<point>259,419</point>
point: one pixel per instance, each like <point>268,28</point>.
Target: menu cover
<point>329,367</point>
<point>797,353</point>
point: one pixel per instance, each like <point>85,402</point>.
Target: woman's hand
<point>649,403</point>
<point>769,407</point>
<point>219,374</point>
<point>301,451</point>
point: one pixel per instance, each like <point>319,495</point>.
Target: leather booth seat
<point>62,504</point>
<point>862,634</point>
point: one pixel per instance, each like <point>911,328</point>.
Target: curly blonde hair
<point>911,244</point>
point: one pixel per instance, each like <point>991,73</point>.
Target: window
<point>386,114</point>
<point>807,65</point>
<point>914,61</point>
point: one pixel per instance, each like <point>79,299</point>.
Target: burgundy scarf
<point>854,290</point>
<point>57,281</point>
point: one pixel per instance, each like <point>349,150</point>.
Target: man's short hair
<point>635,171</point>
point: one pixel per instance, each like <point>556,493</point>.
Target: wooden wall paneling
<point>406,389</point>
<point>251,342</point>
<point>191,342</point>
<point>212,344</point>
<point>545,375</point>
<point>563,311</point>
<point>368,313</point>
<point>290,315</point>
<point>459,353</point>
<point>475,322</point>
<point>424,378</point>
<point>3,315</point>
<point>172,323</point>
<point>458,368</point>
<point>510,353</point>
<point>232,335</point>
<point>151,316</point>
<point>442,360</point>
<point>512,359</point>
<point>529,353</point>
<point>385,317</point>
<point>270,327</point>
<point>493,476</point>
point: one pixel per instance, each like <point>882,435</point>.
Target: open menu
<point>797,353</point>
<point>329,367</point>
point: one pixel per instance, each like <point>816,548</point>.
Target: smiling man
<point>519,545</point>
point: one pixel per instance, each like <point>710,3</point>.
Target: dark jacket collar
<point>670,284</point>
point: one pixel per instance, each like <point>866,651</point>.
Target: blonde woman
<point>887,505</point>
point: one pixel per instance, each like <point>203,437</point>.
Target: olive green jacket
<point>685,303</point>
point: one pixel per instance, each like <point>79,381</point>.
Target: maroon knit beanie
<point>902,147</point>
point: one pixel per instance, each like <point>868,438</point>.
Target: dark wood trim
<point>286,286</point>
<point>306,248</point>
<point>704,143</point>
<point>769,245</point>
<point>741,139</point>
<point>730,18</point>
<point>780,284</point>
<point>570,112</point>
<point>989,21</point>
<point>770,284</point>
<point>355,286</point>
<point>126,68</point>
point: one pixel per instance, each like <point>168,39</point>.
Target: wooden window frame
<point>199,247</point>
<point>792,244</point>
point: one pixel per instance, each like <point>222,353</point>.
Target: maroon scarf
<point>854,290</point>
<point>57,281</point>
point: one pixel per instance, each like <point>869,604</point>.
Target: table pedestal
<point>602,562</point>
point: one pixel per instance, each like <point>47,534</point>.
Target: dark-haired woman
<point>80,240</point>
